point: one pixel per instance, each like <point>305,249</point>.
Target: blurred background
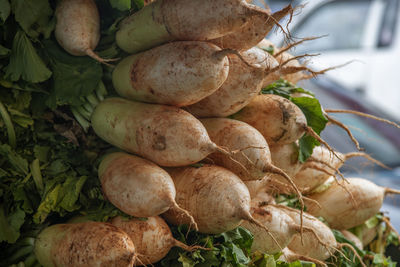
<point>366,32</point>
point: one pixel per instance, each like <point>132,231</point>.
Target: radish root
<point>247,216</point>
<point>364,155</point>
<point>340,124</point>
<point>305,258</point>
<point>390,226</point>
<point>291,45</point>
<point>341,245</point>
<point>183,246</point>
<point>312,133</point>
<point>228,51</point>
<point>273,169</point>
<point>96,57</point>
<point>362,114</point>
<point>185,212</point>
<point>312,231</point>
<point>391,191</point>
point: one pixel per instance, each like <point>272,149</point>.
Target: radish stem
<point>12,140</point>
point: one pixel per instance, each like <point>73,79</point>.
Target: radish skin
<point>137,186</point>
<point>78,27</point>
<point>152,238</point>
<point>251,159</point>
<point>178,73</point>
<point>84,244</point>
<point>199,189</point>
<point>278,223</point>
<point>276,118</point>
<point>285,157</point>
<point>349,203</point>
<point>254,159</point>
<point>243,83</point>
<point>311,247</point>
<point>170,20</point>
<point>253,31</point>
<point>165,135</point>
<point>352,237</point>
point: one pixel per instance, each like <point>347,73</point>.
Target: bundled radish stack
<point>205,135</point>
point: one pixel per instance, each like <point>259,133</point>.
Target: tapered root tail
<point>362,114</point>
<point>291,45</point>
<point>316,167</point>
<point>280,14</point>
<point>312,231</point>
<point>186,213</point>
<point>364,155</point>
<point>137,262</point>
<point>230,154</point>
<point>93,55</point>
<point>344,127</point>
<point>177,243</point>
<point>342,245</point>
<point>305,258</point>
<point>273,169</point>
<point>312,133</point>
<point>390,226</point>
<point>391,191</point>
<point>247,216</point>
<point>228,51</point>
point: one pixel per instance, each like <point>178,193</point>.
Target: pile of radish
<point>199,144</point>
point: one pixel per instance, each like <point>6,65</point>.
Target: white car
<point>366,31</point>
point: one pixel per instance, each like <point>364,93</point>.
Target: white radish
<point>166,135</point>
<point>348,203</point>
<point>78,27</point>
<point>152,238</point>
<point>84,244</point>
<point>216,198</point>
<point>243,83</point>
<point>178,73</point>
<point>311,246</point>
<point>137,186</point>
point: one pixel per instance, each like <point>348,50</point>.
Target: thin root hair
<point>365,155</point>
<point>291,45</point>
<point>341,245</point>
<point>250,218</point>
<point>342,125</point>
<point>362,114</point>
<point>273,169</point>
<point>185,212</point>
<point>312,133</point>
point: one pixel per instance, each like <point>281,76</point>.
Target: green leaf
<point>284,89</point>
<point>25,62</point>
<point>139,3</point>
<point>4,12</point>
<point>60,197</point>
<point>121,5</point>
<point>3,50</point>
<point>186,261</point>
<point>72,188</point>
<point>315,119</point>
<point>20,118</point>
<point>313,112</point>
<point>41,152</point>
<point>34,16</point>
<point>306,145</point>
<point>15,160</point>
<point>10,225</point>
<point>74,77</point>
